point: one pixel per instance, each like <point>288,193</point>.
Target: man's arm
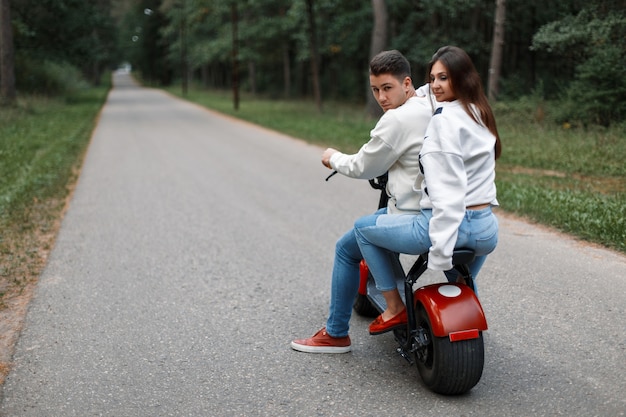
<point>373,159</point>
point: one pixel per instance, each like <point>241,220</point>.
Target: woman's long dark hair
<point>467,87</point>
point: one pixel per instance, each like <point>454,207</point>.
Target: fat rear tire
<point>449,368</point>
<point>364,307</point>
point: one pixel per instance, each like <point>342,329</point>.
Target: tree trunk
<point>184,69</point>
<point>314,55</point>
<point>252,76</point>
<point>235,21</point>
<point>7,65</point>
<point>204,74</point>
<point>496,50</point>
<point>286,60</point>
<point>378,44</point>
<point>286,70</point>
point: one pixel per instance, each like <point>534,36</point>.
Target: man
<point>394,147</point>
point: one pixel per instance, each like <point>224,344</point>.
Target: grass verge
<point>569,177</point>
<point>42,144</point>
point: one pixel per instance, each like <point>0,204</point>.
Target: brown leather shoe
<point>380,326</point>
<point>322,342</point>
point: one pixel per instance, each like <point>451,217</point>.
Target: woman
<point>457,162</point>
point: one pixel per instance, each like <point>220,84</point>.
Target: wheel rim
<point>425,354</point>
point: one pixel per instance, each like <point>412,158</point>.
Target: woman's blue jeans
<point>381,236</point>
<point>345,282</point>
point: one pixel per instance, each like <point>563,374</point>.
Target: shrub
<point>593,44</point>
<point>598,96</point>
<point>47,77</point>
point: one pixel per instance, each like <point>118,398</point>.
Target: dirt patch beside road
<point>24,249</point>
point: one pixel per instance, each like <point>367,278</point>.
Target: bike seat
<point>462,256</point>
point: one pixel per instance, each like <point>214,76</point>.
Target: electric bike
<point>444,333</point>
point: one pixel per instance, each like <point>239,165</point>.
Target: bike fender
<point>363,276</point>
<point>453,309</point>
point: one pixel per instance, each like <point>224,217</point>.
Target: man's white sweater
<point>394,146</point>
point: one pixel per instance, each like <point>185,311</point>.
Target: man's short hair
<point>390,62</point>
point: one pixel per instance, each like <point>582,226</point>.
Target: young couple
<point>440,158</point>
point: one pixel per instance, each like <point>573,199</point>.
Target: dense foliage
<point>57,42</point>
<point>592,43</point>
<point>553,49</point>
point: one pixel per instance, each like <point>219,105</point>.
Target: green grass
<point>540,143</point>
<point>590,215</point>
<point>42,143</point>
<point>569,177</point>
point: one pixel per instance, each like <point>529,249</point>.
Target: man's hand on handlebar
<point>326,157</point>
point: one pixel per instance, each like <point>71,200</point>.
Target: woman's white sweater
<point>458,165</point>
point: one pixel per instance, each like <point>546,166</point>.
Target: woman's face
<point>440,84</point>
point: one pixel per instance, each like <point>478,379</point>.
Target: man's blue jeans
<point>380,237</point>
<point>345,282</point>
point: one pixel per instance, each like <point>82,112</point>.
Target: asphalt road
<point>196,247</point>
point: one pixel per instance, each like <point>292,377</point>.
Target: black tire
<point>445,367</point>
<point>364,307</point>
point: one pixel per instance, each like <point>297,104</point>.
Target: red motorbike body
<point>453,309</point>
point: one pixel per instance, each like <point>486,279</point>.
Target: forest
<point>572,51</point>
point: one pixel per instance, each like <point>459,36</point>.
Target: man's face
<point>388,91</point>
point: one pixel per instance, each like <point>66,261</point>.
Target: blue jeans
<point>380,237</point>
<point>345,282</point>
